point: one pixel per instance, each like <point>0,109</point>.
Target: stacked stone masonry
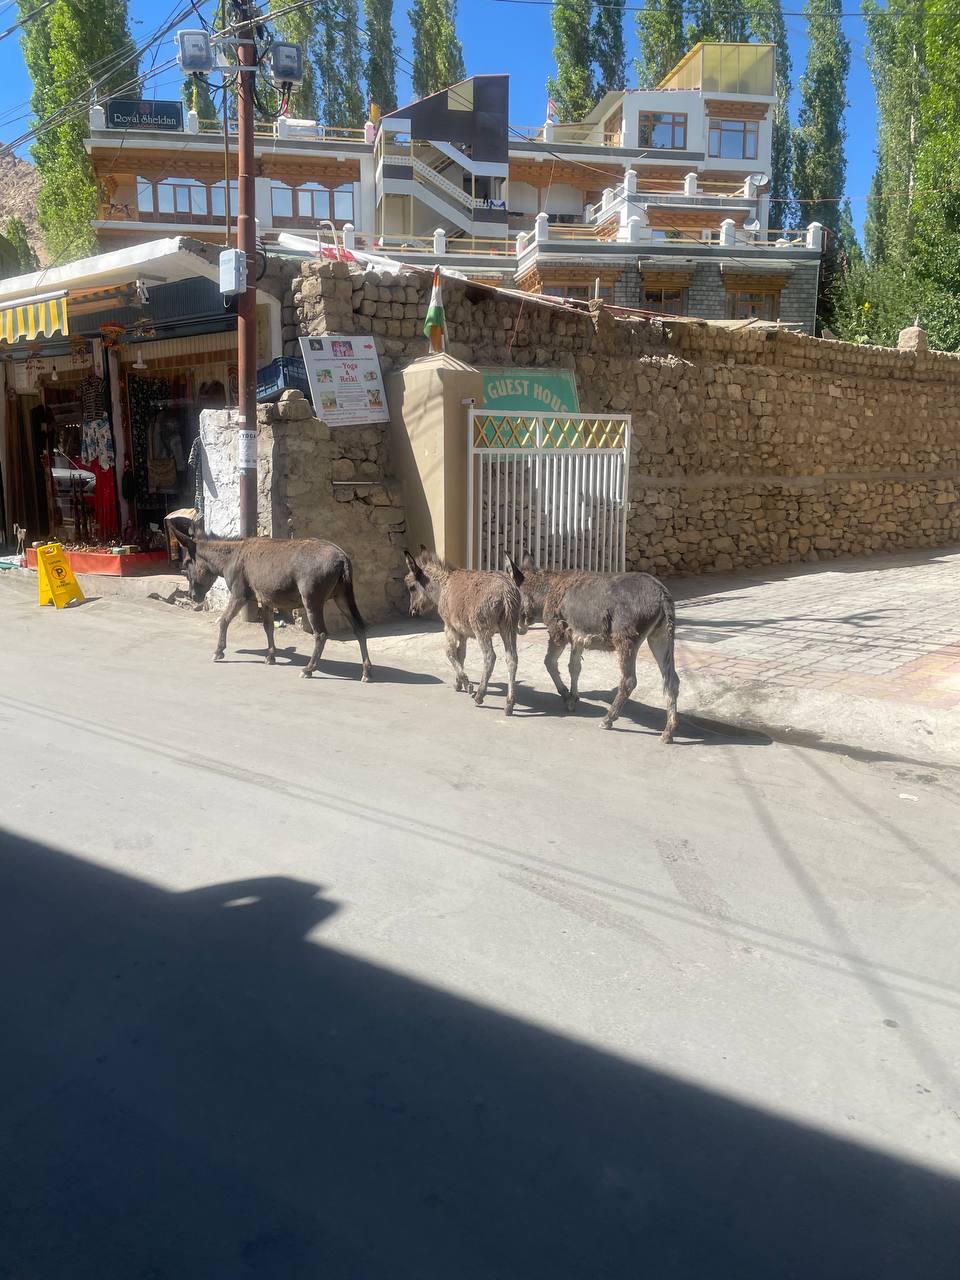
<point>750,446</point>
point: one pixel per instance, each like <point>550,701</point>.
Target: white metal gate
<point>551,485</point>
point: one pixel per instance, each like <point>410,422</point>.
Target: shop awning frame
<point>40,316</point>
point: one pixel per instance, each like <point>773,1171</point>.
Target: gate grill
<point>553,485</point>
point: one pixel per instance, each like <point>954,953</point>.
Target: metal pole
<point>226,141</point>
<point>247,302</point>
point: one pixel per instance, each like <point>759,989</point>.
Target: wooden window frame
<point>772,307</point>
<point>675,120</point>
<point>724,125</point>
<point>663,310</point>
<point>191,186</point>
<point>312,190</point>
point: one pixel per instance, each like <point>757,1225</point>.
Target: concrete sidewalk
<point>862,654</point>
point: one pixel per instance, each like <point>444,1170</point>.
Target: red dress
<point>105,500</point>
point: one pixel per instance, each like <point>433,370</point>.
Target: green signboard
<point>530,391</point>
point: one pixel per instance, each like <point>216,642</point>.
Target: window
<point>734,139</point>
<point>663,129</point>
<point>343,203</point>
<point>281,200</point>
<point>218,203</point>
<point>173,198</point>
<point>313,202</point>
<point>582,292</point>
<point>751,304</point>
<point>666,302</point>
<point>145,195</point>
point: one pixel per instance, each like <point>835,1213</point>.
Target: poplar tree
<point>662,40</point>
<point>767,25</point>
<point>339,64</point>
<point>820,165</point>
<point>717,20</point>
<point>609,50</point>
<point>572,88</point>
<point>381,54</point>
<point>16,233</point>
<point>68,47</point>
<point>437,52</point>
<point>299,26</point>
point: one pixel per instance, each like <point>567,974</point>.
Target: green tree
<point>718,20</point>
<point>16,234</point>
<point>767,25</point>
<point>662,41</point>
<point>572,88</point>
<point>339,64</point>
<point>609,50</point>
<point>197,97</point>
<point>437,52</point>
<point>300,27</point>
<point>381,54</point>
<point>67,47</point>
<point>819,159</point>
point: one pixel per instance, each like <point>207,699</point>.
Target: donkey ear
<point>189,544</point>
<point>411,562</point>
<point>514,570</point>
<point>528,564</point>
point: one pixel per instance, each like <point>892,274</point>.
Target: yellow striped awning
<point>34,319</point>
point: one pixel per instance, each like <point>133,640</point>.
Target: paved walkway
<point>870,630</point>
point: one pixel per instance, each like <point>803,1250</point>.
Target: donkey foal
<point>470,603</point>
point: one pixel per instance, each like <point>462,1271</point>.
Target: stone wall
<point>750,445</point>
<point>314,482</point>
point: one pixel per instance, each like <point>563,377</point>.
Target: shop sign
<point>144,113</point>
<point>530,391</point>
<point>55,581</point>
<point>345,380</point>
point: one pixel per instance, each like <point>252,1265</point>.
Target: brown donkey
<point>470,603</point>
<point>277,573</point>
<point>611,611</point>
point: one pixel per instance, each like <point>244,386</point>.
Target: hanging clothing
<point>93,397</point>
<point>105,500</point>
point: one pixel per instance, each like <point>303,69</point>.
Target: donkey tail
<point>665,656</point>
<point>346,596</point>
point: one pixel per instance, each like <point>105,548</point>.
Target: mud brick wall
<point>750,446</point>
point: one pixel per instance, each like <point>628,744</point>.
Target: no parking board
<point>56,584</point>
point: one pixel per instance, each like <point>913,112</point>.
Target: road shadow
<point>193,1090</point>
<point>333,668</point>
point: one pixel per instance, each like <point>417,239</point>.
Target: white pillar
<point>542,227</point>
<point>630,182</point>
<point>98,118</point>
<point>193,121</point>
<point>349,236</point>
<point>521,243</point>
<point>690,185</point>
<point>439,240</point>
<point>283,127</point>
<point>728,233</point>
<point>815,236</point>
<point>588,213</point>
<point>548,131</point>
<point>749,188</point>
<point>635,228</point>
<point>607,198</point>
<point>369,131</point>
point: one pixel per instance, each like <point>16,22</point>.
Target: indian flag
<point>435,326</point>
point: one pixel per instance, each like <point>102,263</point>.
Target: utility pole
<point>247,301</point>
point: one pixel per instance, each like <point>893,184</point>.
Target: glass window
<point>343,203</point>
<point>665,129</point>
<point>281,200</point>
<point>198,199</point>
<point>666,302</point>
<point>218,203</point>
<point>749,304</point>
<point>313,202</point>
<point>734,139</point>
<point>582,292</point>
<point>145,195</point>
<point>164,198</point>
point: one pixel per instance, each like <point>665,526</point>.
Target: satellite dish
<point>753,226</point>
<point>759,179</point>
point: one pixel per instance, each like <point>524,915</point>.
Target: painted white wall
<point>563,199</point>
<point>522,198</point>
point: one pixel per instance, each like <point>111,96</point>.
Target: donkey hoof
<point>478,698</point>
<point>271,660</point>
<point>218,656</point>
<point>470,688</point>
<point>508,709</point>
<point>606,723</point>
<point>365,677</point>
<point>306,673</point>
<point>571,702</point>
<point>666,737</point>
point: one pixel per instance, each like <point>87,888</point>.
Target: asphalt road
<point>321,979</point>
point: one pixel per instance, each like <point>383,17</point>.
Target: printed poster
<point>345,380</point>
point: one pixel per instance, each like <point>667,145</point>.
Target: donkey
<point>613,612</point>
<point>470,603</point>
<point>277,573</point>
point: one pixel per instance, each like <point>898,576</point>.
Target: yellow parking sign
<point>55,581</point>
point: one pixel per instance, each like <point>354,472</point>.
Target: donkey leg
<point>234,605</point>
<point>660,641</point>
<point>267,613</point>
<point>510,650</point>
<point>576,662</point>
<point>550,661</point>
<point>627,653</point>
<point>456,651</point>
<point>347,604</point>
<point>489,662</point>
<point>318,623</point>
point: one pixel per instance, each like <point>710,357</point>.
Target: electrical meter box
<point>233,272</point>
<point>286,61</point>
<point>194,52</point>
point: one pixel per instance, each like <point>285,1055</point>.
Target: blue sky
<point>514,38</point>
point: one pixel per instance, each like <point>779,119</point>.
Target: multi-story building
<point>658,200</point>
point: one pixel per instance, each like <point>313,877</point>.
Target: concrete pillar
<point>690,185</point>
<point>369,131</point>
<point>588,213</point>
<point>439,240</point>
<point>193,121</point>
<point>283,127</point>
<point>548,131</point>
<point>349,236</point>
<point>815,236</point>
<point>521,243</point>
<point>607,198</point>
<point>542,227</point>
<point>749,188</point>
<point>630,182</point>
<point>728,233</point>
<point>635,229</point>
<point>98,118</point>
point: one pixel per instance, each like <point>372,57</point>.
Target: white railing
<point>553,485</point>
